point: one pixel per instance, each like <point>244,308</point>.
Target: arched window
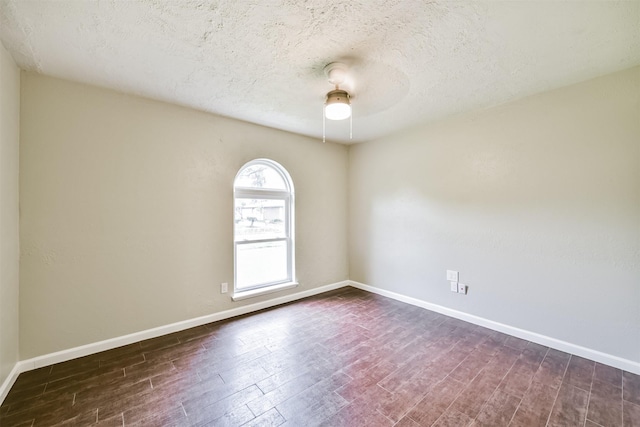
<point>263,229</point>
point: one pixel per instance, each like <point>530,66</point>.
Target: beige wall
<point>9,241</point>
<point>127,212</point>
<point>536,203</point>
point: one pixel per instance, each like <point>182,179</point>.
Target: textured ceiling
<point>261,60</point>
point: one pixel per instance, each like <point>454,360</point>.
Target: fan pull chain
<point>324,126</point>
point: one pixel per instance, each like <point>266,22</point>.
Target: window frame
<point>287,196</point>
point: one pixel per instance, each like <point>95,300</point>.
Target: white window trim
<point>240,295</point>
<point>287,196</point>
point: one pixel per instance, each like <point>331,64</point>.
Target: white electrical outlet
<point>224,288</point>
<point>462,289</point>
<point>454,286</point>
<point>452,276</point>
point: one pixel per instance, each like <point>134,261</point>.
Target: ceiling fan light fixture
<point>337,106</point>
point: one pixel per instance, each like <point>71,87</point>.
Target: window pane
<point>260,176</point>
<point>258,219</point>
<point>259,263</point>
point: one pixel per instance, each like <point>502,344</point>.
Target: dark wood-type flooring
<point>344,358</point>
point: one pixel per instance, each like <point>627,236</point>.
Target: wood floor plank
<point>630,414</point>
<point>580,372</point>
<point>498,411</point>
<point>536,406</point>
<point>453,418</point>
<point>476,394</point>
<point>436,402</point>
<point>631,387</point>
<point>316,400</point>
<point>359,413</point>
<point>203,412</point>
<point>570,408</point>
<point>271,418</point>
<point>605,404</point>
<point>552,369</point>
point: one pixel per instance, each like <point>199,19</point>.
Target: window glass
<point>261,176</point>
<point>264,262</point>
<point>258,219</point>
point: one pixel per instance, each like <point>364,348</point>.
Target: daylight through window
<point>263,226</point>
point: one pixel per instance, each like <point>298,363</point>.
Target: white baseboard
<point>8,382</point>
<point>598,356</point>
<point>85,350</point>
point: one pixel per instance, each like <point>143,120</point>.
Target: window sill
<point>237,296</point>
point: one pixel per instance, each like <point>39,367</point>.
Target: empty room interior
<point>384,213</point>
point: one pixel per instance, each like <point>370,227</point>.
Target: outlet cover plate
<point>452,276</point>
<point>224,288</point>
<point>454,286</point>
<point>462,289</point>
